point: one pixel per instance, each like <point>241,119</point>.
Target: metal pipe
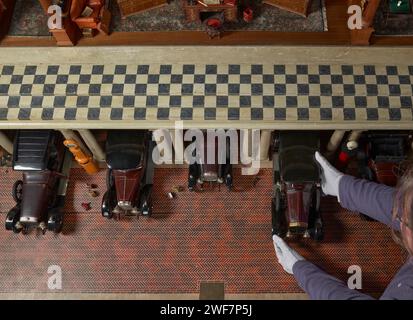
<point>355,135</point>
<point>71,135</point>
<point>92,144</point>
<point>6,143</point>
<point>335,141</point>
<point>265,144</point>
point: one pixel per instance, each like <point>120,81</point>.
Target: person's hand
<point>287,257</point>
<point>330,176</point>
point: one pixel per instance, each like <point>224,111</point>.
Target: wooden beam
<point>370,12</point>
<point>45,4</point>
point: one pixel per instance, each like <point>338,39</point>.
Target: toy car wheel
<point>192,181</point>
<point>55,223</point>
<point>146,209</point>
<point>318,233</point>
<point>145,201</point>
<point>17,191</point>
<point>110,181</point>
<point>108,204</point>
<point>279,224</point>
<point>11,220</point>
<point>228,182</point>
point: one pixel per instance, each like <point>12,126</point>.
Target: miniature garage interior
<point>92,90</point>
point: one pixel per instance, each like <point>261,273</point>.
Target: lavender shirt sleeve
<point>370,198</point>
<point>321,286</point>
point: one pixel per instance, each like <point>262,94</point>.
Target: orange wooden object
<point>84,160</point>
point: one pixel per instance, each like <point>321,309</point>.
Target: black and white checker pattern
<point>259,92</point>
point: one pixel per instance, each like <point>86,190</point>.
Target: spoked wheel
<point>108,203</point>
<point>279,223</point>
<point>17,191</point>
<point>11,220</point>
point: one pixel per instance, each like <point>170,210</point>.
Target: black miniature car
<point>297,192</point>
<point>381,154</point>
<point>219,172</point>
<point>39,197</point>
<point>130,175</point>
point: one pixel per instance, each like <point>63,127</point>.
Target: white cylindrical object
<point>265,144</point>
<point>355,135</point>
<point>92,144</point>
<point>6,143</point>
<point>335,141</point>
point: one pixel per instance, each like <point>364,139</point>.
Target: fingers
<point>278,252</point>
<point>320,159</point>
<point>280,243</point>
<point>324,163</point>
<point>277,247</point>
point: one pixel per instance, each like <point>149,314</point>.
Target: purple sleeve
<point>321,286</point>
<point>370,198</point>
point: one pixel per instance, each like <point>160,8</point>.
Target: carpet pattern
<point>267,18</point>
<point>214,235</point>
<point>30,20</point>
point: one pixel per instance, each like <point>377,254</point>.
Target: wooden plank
<point>297,6</point>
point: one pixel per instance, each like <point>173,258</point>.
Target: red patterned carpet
<point>203,236</point>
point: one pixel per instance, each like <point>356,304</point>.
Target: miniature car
<point>381,154</point>
<point>296,201</point>
<point>201,171</point>
<point>130,175</point>
<point>39,197</point>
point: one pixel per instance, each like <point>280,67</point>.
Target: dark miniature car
<point>296,199</point>
<point>381,155</point>
<point>130,175</point>
<point>39,197</point>
<point>220,172</point>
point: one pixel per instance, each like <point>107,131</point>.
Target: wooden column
<point>370,12</point>
<point>45,4</point>
<point>362,37</point>
<point>6,143</point>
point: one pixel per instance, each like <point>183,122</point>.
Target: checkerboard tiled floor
<point>271,93</point>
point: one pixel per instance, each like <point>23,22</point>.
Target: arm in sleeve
<point>370,198</point>
<point>322,286</point>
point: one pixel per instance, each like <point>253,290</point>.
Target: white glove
<point>330,176</point>
<point>287,257</point>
